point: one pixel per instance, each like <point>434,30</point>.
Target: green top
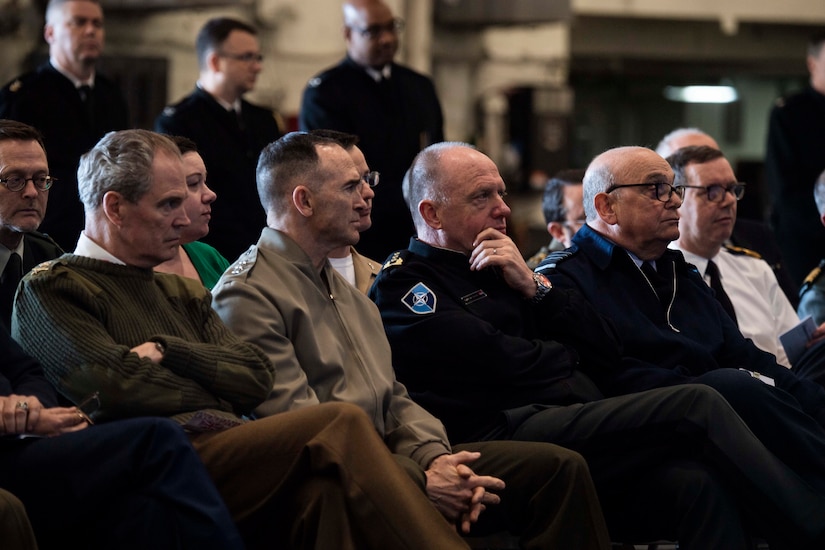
<point>208,262</point>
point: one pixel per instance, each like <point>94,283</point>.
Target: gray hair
<point>819,193</point>
<point>597,179</point>
<point>665,147</point>
<point>54,5</point>
<point>426,180</point>
<point>121,162</point>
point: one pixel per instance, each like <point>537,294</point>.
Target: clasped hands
<point>33,418</point>
<point>457,492</point>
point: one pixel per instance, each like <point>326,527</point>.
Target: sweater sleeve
<point>83,342</point>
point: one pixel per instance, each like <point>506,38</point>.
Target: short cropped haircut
<point>283,163</point>
<point>185,145</point>
<point>665,147</point>
<point>53,5</point>
<point>426,180</point>
<point>686,156</point>
<point>819,193</point>
<point>19,131</point>
<point>552,203</point>
<point>345,140</point>
<point>121,162</point>
<point>816,42</point>
<point>214,33</point>
<point>596,180</point>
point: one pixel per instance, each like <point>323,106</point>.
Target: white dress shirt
<point>763,312</point>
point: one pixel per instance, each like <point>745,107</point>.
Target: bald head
<point>684,137</point>
<point>371,32</point>
<point>628,198</point>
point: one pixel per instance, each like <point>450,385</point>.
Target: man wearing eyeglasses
<point>24,192</point>
<point>743,282</point>
<point>563,212</point>
<point>229,131</point>
<point>69,102</point>
<point>392,109</point>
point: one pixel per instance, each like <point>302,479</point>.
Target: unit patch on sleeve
<point>420,299</point>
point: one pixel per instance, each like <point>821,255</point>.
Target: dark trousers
<point>549,500</point>
<point>679,463</point>
<point>131,484</point>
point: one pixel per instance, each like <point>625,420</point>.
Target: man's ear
<point>605,208</point>
<point>48,33</point>
<point>556,230</point>
<point>303,200</point>
<point>113,204</point>
<point>213,62</point>
<point>429,211</point>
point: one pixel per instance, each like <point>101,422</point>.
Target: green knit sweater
<point>80,317</point>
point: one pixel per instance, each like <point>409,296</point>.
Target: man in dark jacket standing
<point>392,109</point>
<point>70,103</point>
<point>230,132</point>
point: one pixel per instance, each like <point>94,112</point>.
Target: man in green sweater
<point>101,320</point>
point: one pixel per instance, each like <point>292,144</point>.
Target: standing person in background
<point>195,259</point>
<point>229,131</point>
<point>392,109</point>
<point>794,158</point>
<point>70,103</point>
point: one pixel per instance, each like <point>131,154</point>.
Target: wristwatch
<point>543,286</point>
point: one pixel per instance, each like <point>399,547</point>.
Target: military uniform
<point>50,102</point>
<point>794,159</point>
<point>230,145</point>
<point>492,364</point>
<point>394,119</point>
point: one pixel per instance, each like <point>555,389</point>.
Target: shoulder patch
<point>420,299</point>
<point>741,251</point>
<point>555,258</point>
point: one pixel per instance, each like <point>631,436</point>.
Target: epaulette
<point>740,251</point>
<point>169,110</point>
<point>555,258</point>
<point>41,268</point>
<point>244,262</point>
<point>15,86</point>
<point>396,259</point>
<point>812,278</point>
<point>314,82</point>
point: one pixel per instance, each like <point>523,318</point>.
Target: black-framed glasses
<point>247,57</point>
<point>664,191</point>
<point>716,192</point>
<point>371,178</point>
<point>374,31</point>
<point>16,183</point>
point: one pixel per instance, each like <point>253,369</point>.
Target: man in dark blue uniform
<point>392,109</point>
<point>230,132</point>
<point>70,103</point>
<point>793,160</point>
<point>495,351</point>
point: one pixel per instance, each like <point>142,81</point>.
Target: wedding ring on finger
<point>22,405</point>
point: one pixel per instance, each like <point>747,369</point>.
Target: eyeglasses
<point>371,178</point>
<point>16,183</point>
<point>247,57</point>
<point>374,31</point>
<point>664,191</point>
<point>716,192</point>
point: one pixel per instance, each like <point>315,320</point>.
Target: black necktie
<point>712,271</point>
<point>660,284</point>
<point>9,280</point>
